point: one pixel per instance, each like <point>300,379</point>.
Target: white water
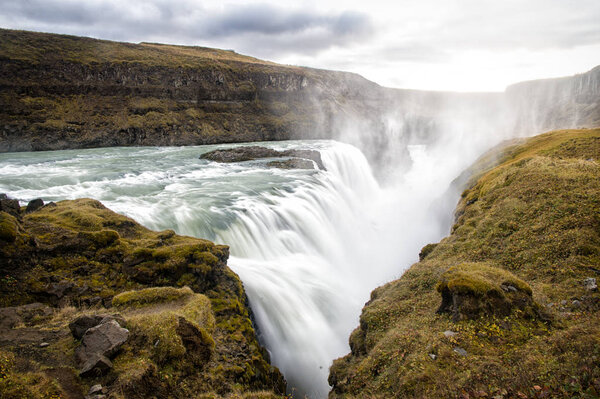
<point>308,245</point>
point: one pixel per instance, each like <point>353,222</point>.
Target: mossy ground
<point>80,256</point>
<point>534,217</point>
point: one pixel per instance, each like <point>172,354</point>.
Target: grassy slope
<point>95,254</point>
<point>535,216</point>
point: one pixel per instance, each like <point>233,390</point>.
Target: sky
<point>458,45</point>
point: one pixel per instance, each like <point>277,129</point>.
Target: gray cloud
<point>262,29</point>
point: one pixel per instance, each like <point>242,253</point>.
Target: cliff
<point>507,305</point>
<point>72,92</point>
<point>75,275</point>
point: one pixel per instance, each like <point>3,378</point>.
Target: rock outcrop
<point>250,153</point>
<point>90,296</point>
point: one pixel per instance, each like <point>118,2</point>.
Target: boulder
<point>34,205</point>
<point>95,366</point>
<point>81,324</point>
<point>104,339</point>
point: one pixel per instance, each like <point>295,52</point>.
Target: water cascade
<point>308,245</point>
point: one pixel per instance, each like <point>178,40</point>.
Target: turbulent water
<point>309,245</point>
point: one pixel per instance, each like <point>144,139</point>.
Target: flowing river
<point>309,245</point>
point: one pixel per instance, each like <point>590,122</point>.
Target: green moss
<point>151,296</point>
<point>8,227</point>
<point>479,279</point>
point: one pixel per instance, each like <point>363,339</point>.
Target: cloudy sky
<point>463,45</point>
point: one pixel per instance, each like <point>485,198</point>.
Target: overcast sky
<point>463,45</point>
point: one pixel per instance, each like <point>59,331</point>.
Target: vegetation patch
<point>516,317</point>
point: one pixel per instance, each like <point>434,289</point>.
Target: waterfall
<point>308,245</point>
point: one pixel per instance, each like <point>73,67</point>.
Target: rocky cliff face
<point>68,92</point>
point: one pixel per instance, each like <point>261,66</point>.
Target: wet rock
<point>34,205</point>
<point>292,163</point>
<point>95,366</point>
<point>240,154</point>
<point>590,284</point>
<point>104,339</point>
<point>249,153</point>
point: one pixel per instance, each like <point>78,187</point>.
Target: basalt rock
<point>250,153</point>
<point>105,339</point>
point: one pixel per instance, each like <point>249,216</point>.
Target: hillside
<point>507,305</point>
<point>76,275</point>
<point>72,92</point>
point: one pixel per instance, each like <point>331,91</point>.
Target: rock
<point>10,206</point>
<point>432,356</point>
<point>576,303</point>
<point>590,284</point>
<point>249,153</point>
<point>240,154</point>
<point>44,344</point>
<point>59,289</point>
<point>96,389</point>
<point>104,339</point>
<point>313,155</point>
<point>293,163</point>
<point>450,334</point>
<point>95,366</point>
<point>460,351</point>
<point>563,302</point>
<point>34,205</point>
<point>81,324</point>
